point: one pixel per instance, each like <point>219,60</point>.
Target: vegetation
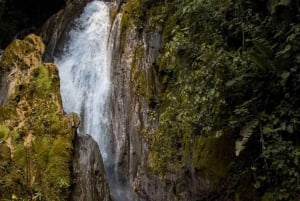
<point>43,81</point>
<point>227,102</point>
<point>227,70</point>
<point>35,137</point>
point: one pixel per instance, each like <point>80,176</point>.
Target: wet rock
<point>55,29</point>
<point>124,107</point>
<point>135,86</point>
<point>89,183</point>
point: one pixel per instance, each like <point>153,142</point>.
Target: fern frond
<point>245,133</point>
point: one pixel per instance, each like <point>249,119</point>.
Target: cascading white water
<point>84,70</point>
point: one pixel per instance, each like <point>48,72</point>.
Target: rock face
<point>135,89</point>
<point>89,181</point>
<point>35,136</point>
<point>125,119</point>
<point>54,29</point>
<point>31,119</point>
<point>135,85</point>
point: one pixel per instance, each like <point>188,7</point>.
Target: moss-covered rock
<point>35,136</point>
<point>212,156</point>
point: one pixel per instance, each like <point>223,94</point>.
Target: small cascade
<point>84,68</point>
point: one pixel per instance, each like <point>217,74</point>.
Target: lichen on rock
<point>35,136</point>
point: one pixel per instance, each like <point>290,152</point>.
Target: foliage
<point>43,81</point>
<point>131,17</point>
<point>229,67</point>
<point>4,132</point>
<point>35,136</point>
<point>191,75</point>
<point>264,90</point>
<point>245,133</point>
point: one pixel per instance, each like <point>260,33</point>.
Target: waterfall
<point>84,68</point>
<point>84,71</point>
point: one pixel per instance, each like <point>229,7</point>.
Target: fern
<point>246,133</point>
<point>263,49</point>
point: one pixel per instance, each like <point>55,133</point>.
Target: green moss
<point>157,17</point>
<point>4,132</point>
<point>17,53</point>
<point>38,158</point>
<point>59,156</point>
<point>52,165</point>
<point>41,149</point>
<point>42,81</point>
<point>138,75</point>
<point>60,148</point>
<point>7,112</point>
<point>11,55</point>
<point>134,9</point>
<point>55,124</point>
<point>212,155</point>
<point>125,25</point>
<point>132,15</point>
<point>20,155</point>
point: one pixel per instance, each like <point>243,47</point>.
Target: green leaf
<point>284,76</point>
<point>233,82</point>
<point>263,48</point>
<point>267,130</point>
<point>260,62</point>
<point>246,133</point>
<point>284,52</point>
<point>290,129</point>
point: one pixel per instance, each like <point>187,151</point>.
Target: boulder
<point>89,183</point>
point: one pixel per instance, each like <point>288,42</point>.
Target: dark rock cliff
<point>135,90</point>
<point>90,182</point>
<point>184,138</point>
<point>19,18</point>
